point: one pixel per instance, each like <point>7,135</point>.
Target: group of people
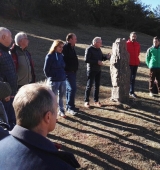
<point>60,68</point>
<point>61,65</point>
<point>152,61</point>
<point>16,68</point>
<point>30,108</point>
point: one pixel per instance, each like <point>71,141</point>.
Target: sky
<point>153,3</point>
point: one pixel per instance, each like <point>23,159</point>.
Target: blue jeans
<point>132,78</point>
<point>59,89</point>
<point>70,90</point>
<point>92,77</point>
<point>10,113</point>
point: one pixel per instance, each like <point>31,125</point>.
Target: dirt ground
<point>115,136</point>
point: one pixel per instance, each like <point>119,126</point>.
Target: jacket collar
<point>69,44</point>
<point>132,41</point>
<point>155,47</point>
<point>33,138</point>
<point>4,48</point>
<point>16,47</point>
<point>94,47</point>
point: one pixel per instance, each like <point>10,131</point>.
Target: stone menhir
<point>120,72</point>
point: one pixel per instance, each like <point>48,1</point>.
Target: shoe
<point>72,112</point>
<point>133,95</point>
<point>86,104</point>
<point>62,114</point>
<point>97,104</point>
<point>151,94</point>
<point>75,109</point>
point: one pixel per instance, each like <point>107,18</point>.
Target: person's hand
<point>100,63</point>
<point>7,98</point>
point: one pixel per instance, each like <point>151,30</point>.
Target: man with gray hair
<point>8,72</point>
<point>94,58</point>
<point>27,146</point>
<point>22,59</point>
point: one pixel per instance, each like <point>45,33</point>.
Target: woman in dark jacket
<point>54,71</point>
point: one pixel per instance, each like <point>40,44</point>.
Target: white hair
<point>3,31</point>
<point>19,36</point>
<point>95,40</point>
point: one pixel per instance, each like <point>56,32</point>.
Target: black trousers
<point>154,74</point>
<point>93,77</point>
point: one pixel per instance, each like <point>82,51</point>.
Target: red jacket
<point>133,49</point>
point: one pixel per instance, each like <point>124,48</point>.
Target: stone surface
<point>120,72</point>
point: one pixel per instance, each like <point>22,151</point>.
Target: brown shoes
<point>87,105</point>
<point>97,104</point>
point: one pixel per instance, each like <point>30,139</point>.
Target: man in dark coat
<point>71,62</point>
<point>93,58</point>
<point>8,72</point>
<point>27,146</point>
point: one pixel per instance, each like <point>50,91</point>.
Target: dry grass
<point>111,137</point>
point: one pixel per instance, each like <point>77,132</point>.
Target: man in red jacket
<point>133,48</point>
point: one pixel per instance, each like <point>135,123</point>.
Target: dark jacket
<point>70,58</point>
<point>27,150</point>
<point>5,90</point>
<point>3,133</point>
<point>54,67</point>
<point>7,69</point>
<point>133,49</point>
<point>92,56</point>
<point>14,52</point>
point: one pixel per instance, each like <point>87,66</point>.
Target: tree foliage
<point>127,14</point>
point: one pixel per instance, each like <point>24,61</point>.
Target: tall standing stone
<point>120,72</point>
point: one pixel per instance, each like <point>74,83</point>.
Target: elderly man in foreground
<point>27,147</point>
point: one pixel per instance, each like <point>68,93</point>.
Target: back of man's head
<point>31,104</point>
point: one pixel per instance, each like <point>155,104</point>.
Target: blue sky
<point>153,3</point>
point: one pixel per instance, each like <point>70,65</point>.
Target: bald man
<point>8,72</point>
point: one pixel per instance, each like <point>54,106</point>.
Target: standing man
<point>27,147</point>
<point>8,72</point>
<point>133,48</point>
<point>71,61</point>
<point>153,63</point>
<point>94,58</point>
<point>22,59</point>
